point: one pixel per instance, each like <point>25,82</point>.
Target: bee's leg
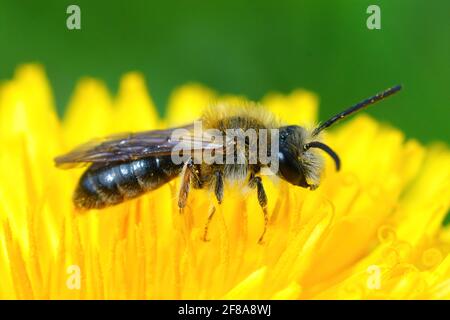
<point>218,187</point>
<point>262,199</point>
<point>210,216</point>
<point>218,191</point>
<point>185,184</point>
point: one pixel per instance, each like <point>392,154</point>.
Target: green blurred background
<point>248,48</point>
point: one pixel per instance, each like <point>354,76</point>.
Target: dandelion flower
<point>371,231</point>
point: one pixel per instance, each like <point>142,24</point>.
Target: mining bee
<point>125,166</point>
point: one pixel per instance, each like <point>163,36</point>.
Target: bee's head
<point>298,163</point>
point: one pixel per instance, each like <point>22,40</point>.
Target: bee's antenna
<point>380,96</point>
<point>327,149</point>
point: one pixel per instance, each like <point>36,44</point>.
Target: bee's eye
<point>290,169</point>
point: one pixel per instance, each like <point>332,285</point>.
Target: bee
<point>125,166</point>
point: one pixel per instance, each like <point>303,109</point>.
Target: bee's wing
<point>133,146</point>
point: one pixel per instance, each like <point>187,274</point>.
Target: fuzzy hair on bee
<point>125,166</point>
<point>241,116</point>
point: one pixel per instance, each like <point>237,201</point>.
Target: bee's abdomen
<point>107,185</point>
